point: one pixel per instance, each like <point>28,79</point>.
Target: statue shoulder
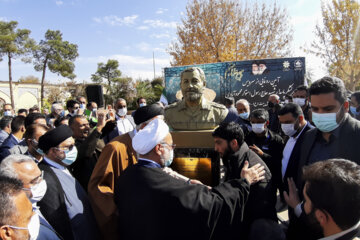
<point>217,105</point>
<point>175,104</point>
<point>171,109</point>
<point>219,110</point>
<point>171,106</point>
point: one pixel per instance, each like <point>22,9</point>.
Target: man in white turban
<point>154,136</point>
<point>153,205</point>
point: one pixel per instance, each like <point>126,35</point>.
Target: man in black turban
<point>65,204</point>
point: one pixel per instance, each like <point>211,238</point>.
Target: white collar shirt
<point>290,144</point>
<point>337,235</point>
<point>124,125</point>
<point>57,166</point>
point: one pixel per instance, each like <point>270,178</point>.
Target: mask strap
<point>15,227</point>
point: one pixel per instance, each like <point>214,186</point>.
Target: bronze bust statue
<point>194,112</point>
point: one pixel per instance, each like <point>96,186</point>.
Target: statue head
<point>192,83</point>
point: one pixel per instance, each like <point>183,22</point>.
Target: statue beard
<point>193,94</point>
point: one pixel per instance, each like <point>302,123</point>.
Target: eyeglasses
<point>65,148</point>
<point>35,181</point>
<point>172,146</point>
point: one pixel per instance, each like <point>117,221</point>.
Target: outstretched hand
<point>254,174</point>
<point>292,199</point>
<point>102,119</point>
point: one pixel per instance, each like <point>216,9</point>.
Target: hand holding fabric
<point>257,150</point>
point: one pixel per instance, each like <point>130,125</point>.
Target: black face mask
<point>271,104</point>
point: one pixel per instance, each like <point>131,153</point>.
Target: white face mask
<point>299,101</point>
<point>33,227</point>
<point>142,104</point>
<point>258,127</point>
<point>74,113</point>
<point>288,129</point>
<point>8,113</point>
<point>122,112</point>
<point>38,191</point>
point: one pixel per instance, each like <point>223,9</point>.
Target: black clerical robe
<point>154,205</point>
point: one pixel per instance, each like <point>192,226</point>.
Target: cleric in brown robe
<point>114,159</point>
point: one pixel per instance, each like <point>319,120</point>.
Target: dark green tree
<point>55,54</point>
<point>123,87</point>
<point>144,89</point>
<point>158,87</point>
<point>117,86</point>
<point>107,71</point>
<point>14,43</point>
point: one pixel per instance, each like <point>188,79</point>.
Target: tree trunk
<point>42,85</point>
<point>10,84</point>
<point>352,82</point>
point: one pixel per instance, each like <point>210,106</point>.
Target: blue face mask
<point>70,156</point>
<point>36,147</point>
<point>82,106</point>
<point>170,160</point>
<point>325,122</point>
<point>62,114</point>
<point>39,151</point>
<point>168,157</point>
<point>244,115</point>
<point>353,111</point>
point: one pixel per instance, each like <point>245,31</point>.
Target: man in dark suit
<point>328,209</point>
<point>355,105</point>
<point>301,97</point>
<point>274,106</point>
<point>267,144</point>
<point>294,125</point>
<point>336,135</point>
<point>17,132</point>
<point>243,109</point>
<point>233,114</point>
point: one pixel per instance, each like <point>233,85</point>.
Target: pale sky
<point>129,31</point>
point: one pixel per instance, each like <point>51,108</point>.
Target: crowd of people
<point>106,174</point>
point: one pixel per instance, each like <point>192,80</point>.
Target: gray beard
<point>192,97</point>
